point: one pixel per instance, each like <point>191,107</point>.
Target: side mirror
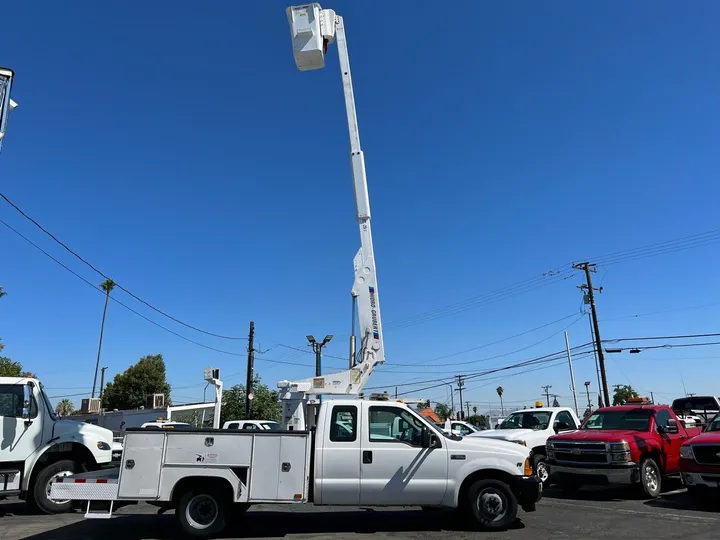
<point>27,396</point>
<point>560,426</point>
<point>425,436</point>
<point>672,426</point>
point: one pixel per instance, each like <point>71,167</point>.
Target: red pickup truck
<point>700,461</point>
<point>629,444</point>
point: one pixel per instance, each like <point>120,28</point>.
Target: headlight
<point>103,445</point>
<point>520,442</point>
<point>621,446</point>
<point>550,445</point>
<point>686,452</point>
<point>622,456</point>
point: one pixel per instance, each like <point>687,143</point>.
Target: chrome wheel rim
<point>542,472</point>
<point>48,487</point>
<point>202,511</point>
<point>651,478</point>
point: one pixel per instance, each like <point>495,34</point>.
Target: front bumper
<point>692,479</point>
<point>621,474</point>
<point>528,490</point>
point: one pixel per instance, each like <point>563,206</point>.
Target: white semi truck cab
<point>369,453</point>
<point>36,446</point>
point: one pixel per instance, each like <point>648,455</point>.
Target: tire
<point>540,466</point>
<point>201,513</point>
<point>492,504</point>
<point>40,490</point>
<point>650,478</point>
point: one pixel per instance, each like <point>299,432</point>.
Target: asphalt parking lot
<point>586,514</point>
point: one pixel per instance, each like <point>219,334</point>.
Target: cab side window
<point>343,423</point>
<point>661,418</point>
<point>567,418</point>
<point>391,424</point>
<point>250,427</point>
<point>12,399</point>
<point>462,428</point>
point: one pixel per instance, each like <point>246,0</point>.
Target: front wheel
<point>492,504</point>
<point>650,478</point>
<point>201,514</point>
<point>541,468</point>
<point>43,481</point>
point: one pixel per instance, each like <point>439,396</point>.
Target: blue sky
<point>178,149</point>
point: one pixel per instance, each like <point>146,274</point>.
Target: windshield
<point>698,403</point>
<point>715,424</point>
<point>51,410</point>
<point>634,419</point>
<point>272,426</point>
<point>537,420</point>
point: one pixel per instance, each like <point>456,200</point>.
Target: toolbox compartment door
<point>141,465</point>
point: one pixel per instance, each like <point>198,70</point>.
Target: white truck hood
<point>490,444</point>
<point>72,429</point>
<point>506,434</point>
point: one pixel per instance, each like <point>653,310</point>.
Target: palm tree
<point>65,407</point>
<point>475,410</point>
<point>2,293</point>
<point>108,285</point>
<point>500,391</point>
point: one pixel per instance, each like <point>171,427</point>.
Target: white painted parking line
<point>655,515</point>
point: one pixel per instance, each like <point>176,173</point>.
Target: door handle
<point>367,456</point>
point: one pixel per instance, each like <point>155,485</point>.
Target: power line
<point>500,355</point>
<point>155,323</point>
<point>81,259</point>
<point>646,338</point>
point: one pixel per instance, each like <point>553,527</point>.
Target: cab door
<point>337,480</point>
<point>671,442</point>
<point>20,436</point>
<point>395,468</point>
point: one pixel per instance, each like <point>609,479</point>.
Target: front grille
<point>707,454</point>
<point>581,452</point>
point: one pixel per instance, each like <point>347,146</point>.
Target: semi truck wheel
<point>492,504</point>
<point>41,488</point>
<point>650,478</point>
<point>201,513</point>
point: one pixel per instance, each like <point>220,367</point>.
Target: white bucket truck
<point>346,452</point>
<point>36,446</point>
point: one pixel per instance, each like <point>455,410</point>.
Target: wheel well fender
<point>539,450</point>
<point>483,474</point>
<point>208,484</point>
<point>57,452</point>
<point>655,455</point>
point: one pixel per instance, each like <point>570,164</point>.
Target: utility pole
<point>460,385</point>
<point>452,398</point>
<point>547,393</point>
<point>572,375</point>
<point>102,385</point>
<point>467,406</point>
<point>588,268</point>
<point>250,371</point>
<point>652,398</point>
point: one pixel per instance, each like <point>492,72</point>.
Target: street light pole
<point>7,76</point>
<point>317,349</point>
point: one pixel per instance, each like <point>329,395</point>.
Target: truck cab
<point>623,445</point>
<point>379,453</point>
<point>37,446</point>
<point>700,462</point>
<point>532,428</point>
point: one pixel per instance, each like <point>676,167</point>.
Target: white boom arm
<point>294,394</point>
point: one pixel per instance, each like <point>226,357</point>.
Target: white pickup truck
<point>37,447</point>
<point>531,428</point>
<point>362,452</point>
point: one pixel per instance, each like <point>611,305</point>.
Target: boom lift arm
<point>312,29</point>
